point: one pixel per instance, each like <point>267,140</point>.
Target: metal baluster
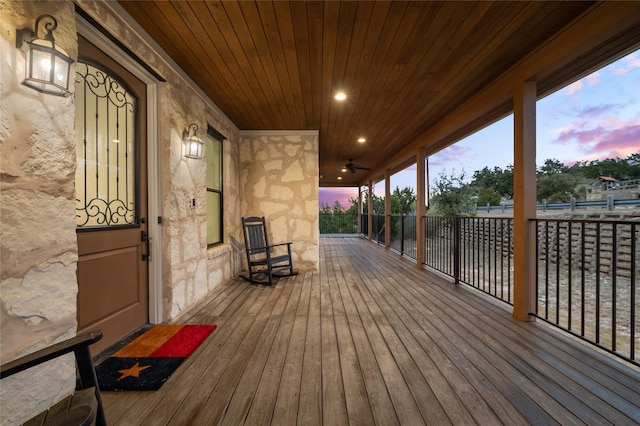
<point>546,269</point>
<point>582,276</point>
<point>569,269</point>
<point>597,282</point>
<point>558,228</point>
<point>614,283</point>
<point>634,239</point>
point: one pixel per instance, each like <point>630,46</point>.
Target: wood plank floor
<point>371,340</point>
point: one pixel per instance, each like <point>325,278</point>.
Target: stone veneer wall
<point>37,208</point>
<point>38,286</point>
<point>280,182</point>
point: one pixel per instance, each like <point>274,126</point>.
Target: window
<point>215,203</point>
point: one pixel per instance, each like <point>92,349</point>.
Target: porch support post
<point>387,209</point>
<point>370,212</point>
<point>359,215</point>
<point>421,202</point>
<point>524,187</point>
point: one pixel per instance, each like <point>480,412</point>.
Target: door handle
<point>146,238</point>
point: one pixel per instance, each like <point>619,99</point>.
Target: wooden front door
<point>111,197</point>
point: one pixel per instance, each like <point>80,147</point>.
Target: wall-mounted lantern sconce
<point>192,145</point>
<point>47,66</point>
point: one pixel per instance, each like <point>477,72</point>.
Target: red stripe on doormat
<point>184,342</point>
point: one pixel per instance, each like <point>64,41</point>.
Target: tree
<point>500,181</point>
<point>403,201</point>
<point>488,196</point>
<point>553,166</point>
<point>487,178</point>
<point>452,196</point>
<point>378,204</point>
<point>557,188</point>
<point>556,182</point>
<point>353,206</point>
<point>505,184</point>
<point>618,168</point>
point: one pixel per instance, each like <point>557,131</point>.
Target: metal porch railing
<point>338,223</point>
<point>587,270</point>
<point>587,280</point>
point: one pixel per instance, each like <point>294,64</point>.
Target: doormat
<point>148,361</point>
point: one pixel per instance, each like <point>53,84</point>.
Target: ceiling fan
<point>353,167</point>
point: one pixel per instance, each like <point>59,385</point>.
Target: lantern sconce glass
<point>47,67</point>
<point>192,144</point>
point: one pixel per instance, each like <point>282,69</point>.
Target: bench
<point>84,407</point>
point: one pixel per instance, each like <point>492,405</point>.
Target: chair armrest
<point>281,244</point>
<point>49,353</point>
<point>261,249</point>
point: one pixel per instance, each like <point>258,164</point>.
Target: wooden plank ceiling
<point>404,65</point>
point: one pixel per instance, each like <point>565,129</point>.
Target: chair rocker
<point>264,261</point>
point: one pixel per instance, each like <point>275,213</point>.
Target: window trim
<point>216,135</point>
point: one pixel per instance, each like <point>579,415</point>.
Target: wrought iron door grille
<point>106,150</point>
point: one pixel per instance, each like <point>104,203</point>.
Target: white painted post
<point>524,204</point>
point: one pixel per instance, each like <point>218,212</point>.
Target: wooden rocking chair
<point>264,259</point>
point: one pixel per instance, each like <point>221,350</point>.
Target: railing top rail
<point>605,221</point>
<point>565,206</point>
<point>470,217</point>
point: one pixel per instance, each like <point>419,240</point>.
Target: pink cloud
<point>612,140</point>
<point>598,110</point>
<point>452,154</point>
<point>574,88</point>
<point>593,79</point>
<point>627,64</point>
<point>331,195</point>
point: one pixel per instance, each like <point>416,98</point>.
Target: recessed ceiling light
<point>339,177</point>
<point>340,96</point>
<point>362,140</point>
<point>344,170</point>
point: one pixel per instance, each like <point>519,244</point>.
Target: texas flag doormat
<point>148,361</point>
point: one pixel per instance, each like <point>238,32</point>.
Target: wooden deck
<point>371,340</point>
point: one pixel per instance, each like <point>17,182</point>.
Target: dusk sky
<point>596,117</point>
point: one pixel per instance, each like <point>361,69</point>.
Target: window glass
<point>214,209</point>
<point>215,203</point>
<point>106,175</point>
